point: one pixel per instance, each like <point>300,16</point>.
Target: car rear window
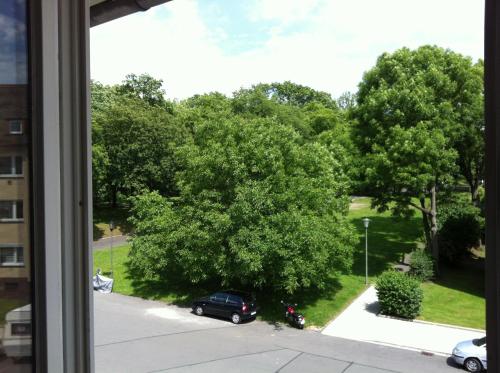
<point>247,298</point>
<point>234,299</point>
<point>219,297</point>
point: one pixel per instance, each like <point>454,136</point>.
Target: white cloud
<point>342,41</point>
<point>284,11</point>
<point>11,30</point>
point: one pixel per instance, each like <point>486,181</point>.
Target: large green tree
<point>145,87</point>
<point>258,207</point>
<point>412,108</point>
<point>140,142</point>
<point>469,140</point>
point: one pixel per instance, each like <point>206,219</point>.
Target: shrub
<point>399,295</point>
<point>460,227</point>
<point>422,265</point>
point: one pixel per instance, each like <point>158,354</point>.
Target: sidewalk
<point>360,322</point>
<point>105,243</point>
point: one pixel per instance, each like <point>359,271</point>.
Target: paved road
<point>133,335</point>
<point>105,243</point>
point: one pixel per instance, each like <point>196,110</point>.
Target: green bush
<point>399,295</point>
<point>421,265</point>
<point>460,227</point>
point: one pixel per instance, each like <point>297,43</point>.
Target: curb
<point>432,323</point>
<point>450,326</point>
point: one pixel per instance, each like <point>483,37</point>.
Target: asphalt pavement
<point>105,243</point>
<point>135,335</point>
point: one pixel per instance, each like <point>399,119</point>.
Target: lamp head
<point>366,222</point>
<point>111,225</point>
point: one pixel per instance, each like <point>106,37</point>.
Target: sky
<point>201,46</point>
<point>13,47</point>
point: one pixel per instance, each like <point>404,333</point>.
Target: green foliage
<point>399,295</point>
<point>430,87</point>
<point>459,231</point>
<point>144,87</point>
<point>100,173</point>
<point>257,208</point>
<point>140,141</point>
<point>409,163</point>
<point>409,107</point>
<point>422,265</point>
<point>296,95</point>
<point>411,112</point>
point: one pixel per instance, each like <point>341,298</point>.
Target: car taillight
<point>244,308</point>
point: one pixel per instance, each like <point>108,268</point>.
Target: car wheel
<point>198,310</point>
<point>473,365</point>
<point>235,318</point>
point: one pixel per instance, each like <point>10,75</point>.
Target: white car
<point>471,354</point>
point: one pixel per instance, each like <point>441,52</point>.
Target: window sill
<point>11,221</point>
<point>12,265</point>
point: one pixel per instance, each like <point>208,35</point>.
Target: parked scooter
<point>294,318</point>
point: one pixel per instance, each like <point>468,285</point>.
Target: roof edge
<point>113,9</point>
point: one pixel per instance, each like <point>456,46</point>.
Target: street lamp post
<point>111,229</point>
<point>366,223</point>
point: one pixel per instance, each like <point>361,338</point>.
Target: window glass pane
<point>5,165</point>
<point>18,165</point>
<point>7,255</point>
<point>15,237</point>
<point>234,300</point>
<point>15,127</point>
<point>19,210</point>
<point>21,328</point>
<point>20,255</point>
<point>6,210</point>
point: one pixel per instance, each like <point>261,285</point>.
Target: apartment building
<point>14,201</point>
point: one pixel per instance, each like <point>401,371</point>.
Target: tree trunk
<point>474,192</point>
<point>114,194</point>
<point>427,226</point>
<point>434,228</point>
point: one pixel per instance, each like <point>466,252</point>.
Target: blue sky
<point>13,49</point>
<point>198,46</point>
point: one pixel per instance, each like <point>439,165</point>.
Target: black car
<point>235,305</point>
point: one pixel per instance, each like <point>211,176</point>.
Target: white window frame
<point>16,262</point>
<point>16,122</point>
<point>13,166</point>
<point>14,213</point>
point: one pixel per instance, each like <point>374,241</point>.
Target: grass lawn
<point>388,240</point>
<point>457,297</point>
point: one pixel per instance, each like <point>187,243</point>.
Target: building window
<point>20,329</point>
<point>11,286</point>
<point>11,211</point>
<point>11,256</point>
<point>11,166</point>
<point>15,127</point>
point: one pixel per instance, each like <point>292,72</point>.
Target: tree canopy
<point>257,207</point>
<point>412,108</point>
